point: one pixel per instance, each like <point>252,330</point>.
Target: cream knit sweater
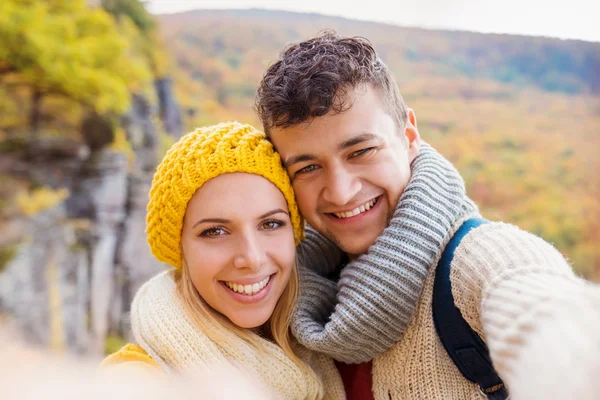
<point>540,321</point>
<point>541,324</point>
<point>162,328</point>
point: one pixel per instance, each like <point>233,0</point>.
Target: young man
<point>366,182</point>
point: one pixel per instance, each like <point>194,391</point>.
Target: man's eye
<point>362,152</point>
<point>213,232</point>
<point>308,168</point>
<point>272,224</point>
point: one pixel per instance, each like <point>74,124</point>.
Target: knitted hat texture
<point>198,157</point>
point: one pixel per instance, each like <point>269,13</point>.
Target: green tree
<point>64,47</point>
<point>148,41</point>
<point>134,10</point>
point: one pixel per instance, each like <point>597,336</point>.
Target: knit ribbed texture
<point>370,307</point>
<point>198,157</point>
<point>541,324</point>
<point>168,335</point>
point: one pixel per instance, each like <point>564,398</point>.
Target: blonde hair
<point>213,324</point>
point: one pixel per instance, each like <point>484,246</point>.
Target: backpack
<point>464,346</point>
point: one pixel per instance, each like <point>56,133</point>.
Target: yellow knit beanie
<point>197,157</point>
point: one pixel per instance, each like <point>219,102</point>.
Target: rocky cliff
<point>70,271</point>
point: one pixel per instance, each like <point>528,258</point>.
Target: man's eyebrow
<point>298,159</point>
<point>363,137</point>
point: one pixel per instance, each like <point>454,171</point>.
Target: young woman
<point>222,213</point>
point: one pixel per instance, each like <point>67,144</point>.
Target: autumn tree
<point>65,48</point>
<point>149,42</point>
<point>132,9</point>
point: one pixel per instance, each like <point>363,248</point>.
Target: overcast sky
<point>568,19</point>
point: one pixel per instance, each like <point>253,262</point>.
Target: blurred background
<point>92,94</point>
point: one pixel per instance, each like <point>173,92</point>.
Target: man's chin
<point>354,244</point>
<point>354,248</point>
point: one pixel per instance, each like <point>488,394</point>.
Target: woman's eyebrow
<point>272,212</point>
<point>226,221</point>
<point>212,220</point>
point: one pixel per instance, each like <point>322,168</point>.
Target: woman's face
<point>238,243</point>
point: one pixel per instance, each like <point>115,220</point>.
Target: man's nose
<point>341,186</point>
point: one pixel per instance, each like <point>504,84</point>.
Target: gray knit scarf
<point>367,309</point>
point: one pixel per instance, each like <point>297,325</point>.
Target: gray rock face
<point>79,263</point>
<point>169,109</point>
<point>134,262</point>
<point>45,288</point>
<point>105,182</point>
<point>142,134</point>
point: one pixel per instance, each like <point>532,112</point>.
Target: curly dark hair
<point>314,77</point>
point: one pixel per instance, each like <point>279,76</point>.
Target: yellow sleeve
<point>130,354</point>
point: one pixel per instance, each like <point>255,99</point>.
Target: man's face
<point>349,169</point>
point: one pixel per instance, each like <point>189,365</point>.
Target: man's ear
<point>412,117</point>
<point>412,135</point>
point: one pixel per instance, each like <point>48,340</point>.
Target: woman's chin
<point>248,322</point>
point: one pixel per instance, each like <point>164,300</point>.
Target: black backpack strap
<point>464,346</point>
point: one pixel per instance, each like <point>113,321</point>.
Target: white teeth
<point>364,207</point>
<point>248,290</point>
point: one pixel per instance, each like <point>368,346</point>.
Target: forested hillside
<point>519,116</point>
<point>92,93</point>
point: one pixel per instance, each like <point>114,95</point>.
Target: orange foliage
<point>527,154</point>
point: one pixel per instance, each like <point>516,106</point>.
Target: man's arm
<point>540,321</point>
